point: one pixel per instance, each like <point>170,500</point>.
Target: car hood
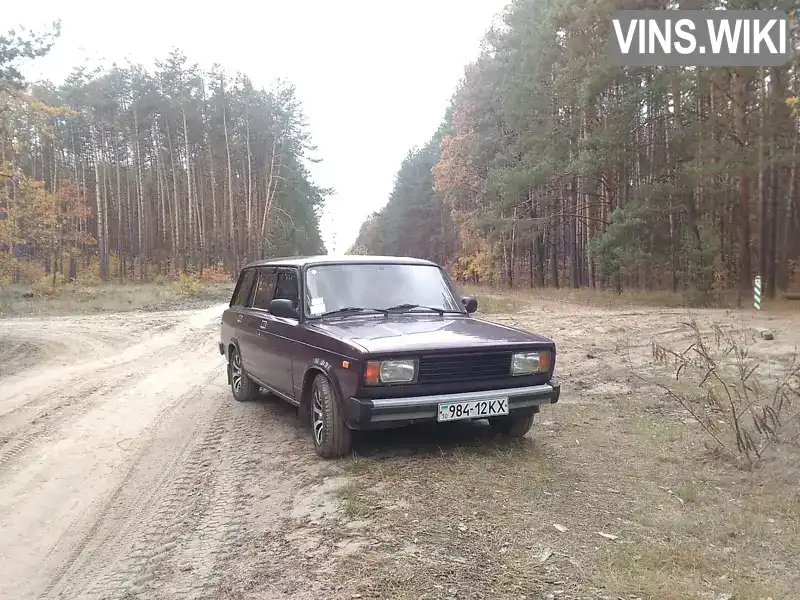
<point>404,333</point>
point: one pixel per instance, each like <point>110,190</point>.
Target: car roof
<point>302,261</point>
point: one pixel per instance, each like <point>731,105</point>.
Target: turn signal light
<point>372,374</point>
<point>544,361</point>
<point>530,362</point>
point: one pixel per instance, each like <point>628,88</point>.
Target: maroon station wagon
<point>369,342</point>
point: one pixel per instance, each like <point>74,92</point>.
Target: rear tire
<point>244,389</point>
<point>331,435</point>
<point>513,425</point>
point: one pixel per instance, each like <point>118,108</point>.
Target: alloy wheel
<point>317,416</point>
<point>236,373</point>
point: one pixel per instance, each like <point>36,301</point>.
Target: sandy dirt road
<point>126,469</point>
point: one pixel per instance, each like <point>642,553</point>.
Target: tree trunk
<point>101,245</point>
<point>740,112</point>
<point>763,180</point>
<point>249,209</point>
<point>139,198</point>
<point>190,250</point>
<point>214,222</point>
<point>120,272</point>
<point>177,256</point>
<point>270,189</point>
<point>232,257</point>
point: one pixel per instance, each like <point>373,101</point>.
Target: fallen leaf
<point>608,536</point>
<point>561,528</point>
<point>546,553</point>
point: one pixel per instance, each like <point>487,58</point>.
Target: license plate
<point>476,409</point>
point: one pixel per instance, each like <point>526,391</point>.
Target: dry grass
<point>741,407</point>
<point>456,513</point>
<point>352,501</point>
<point>476,519</point>
<point>111,297</point>
<point>509,300</point>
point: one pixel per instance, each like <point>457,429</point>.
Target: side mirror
<point>281,307</point>
<point>471,304</point>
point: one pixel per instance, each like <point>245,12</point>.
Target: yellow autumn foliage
<point>6,268</point>
<point>474,262</point>
<point>187,284</point>
<point>794,104</point>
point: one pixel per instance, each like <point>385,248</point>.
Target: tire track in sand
<point>156,485</point>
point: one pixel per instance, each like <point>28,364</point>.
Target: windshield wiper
<point>408,306</point>
<point>354,309</point>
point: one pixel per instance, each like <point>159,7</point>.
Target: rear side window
<point>262,294</point>
<point>242,290</point>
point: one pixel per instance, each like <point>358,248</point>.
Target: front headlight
<point>528,363</point>
<point>390,371</point>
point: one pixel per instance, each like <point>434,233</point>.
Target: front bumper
<point>392,412</point>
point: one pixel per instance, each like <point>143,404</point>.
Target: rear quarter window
<point>242,290</point>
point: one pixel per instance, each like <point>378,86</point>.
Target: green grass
<point>353,502</point>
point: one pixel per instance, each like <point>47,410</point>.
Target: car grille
<point>448,368</point>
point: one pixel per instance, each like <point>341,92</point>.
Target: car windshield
<point>377,286</point>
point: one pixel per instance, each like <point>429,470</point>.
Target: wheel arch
<point>314,369</point>
<point>233,344</point>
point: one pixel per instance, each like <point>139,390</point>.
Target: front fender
<point>320,365</point>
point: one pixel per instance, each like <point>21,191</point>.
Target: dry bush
<point>88,277</point>
<point>89,274</point>
<point>48,286</point>
<point>162,279</point>
<point>742,410</point>
<point>31,272</point>
<point>186,285</point>
<point>794,275</point>
<point>215,274</point>
<point>6,268</point>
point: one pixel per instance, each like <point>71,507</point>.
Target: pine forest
<point>553,167</point>
<point>134,174</point>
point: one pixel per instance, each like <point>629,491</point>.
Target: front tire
<point>332,437</point>
<point>243,388</point>
<point>513,425</point>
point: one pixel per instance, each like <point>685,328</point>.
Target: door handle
<point>239,318</point>
<point>263,325</point>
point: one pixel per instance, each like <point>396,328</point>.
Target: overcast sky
<point>374,77</point>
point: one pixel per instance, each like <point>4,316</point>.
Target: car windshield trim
<point>364,287</point>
